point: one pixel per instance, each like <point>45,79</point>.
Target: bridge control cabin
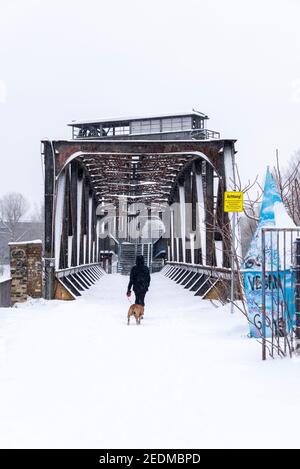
<point>158,127</point>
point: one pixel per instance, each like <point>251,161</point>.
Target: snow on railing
<point>224,272</point>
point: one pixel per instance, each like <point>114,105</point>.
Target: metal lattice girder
<point>135,162</point>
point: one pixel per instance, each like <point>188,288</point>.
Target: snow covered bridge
<point>150,185</point>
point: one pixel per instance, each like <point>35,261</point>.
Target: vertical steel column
<point>209,214</point>
<point>92,233</point>
<point>117,217</point>
<point>172,257</point>
<point>65,223</point>
<point>176,224</point>
<point>200,215</point>
<point>49,162</point>
<point>188,214</point>
<point>86,221</point>
<point>229,185</point>
<point>297,293</point>
<point>182,238</point>
<point>74,198</point>
<point>149,230</point>
<point>82,210</point>
<point>222,218</point>
<point>196,240</point>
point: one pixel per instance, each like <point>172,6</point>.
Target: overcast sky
<point>237,61</point>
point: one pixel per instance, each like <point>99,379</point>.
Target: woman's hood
<point>140,260</point>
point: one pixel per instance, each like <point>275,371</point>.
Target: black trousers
<point>139,298</point>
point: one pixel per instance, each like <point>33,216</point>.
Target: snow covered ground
<point>74,375</point>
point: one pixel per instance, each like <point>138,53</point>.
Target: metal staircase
<point>128,253</point>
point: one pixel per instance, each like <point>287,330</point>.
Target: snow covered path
<point>73,374</point>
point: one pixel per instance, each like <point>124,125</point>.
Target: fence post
<point>297,293</point>
<point>232,297</point>
<point>263,291</point>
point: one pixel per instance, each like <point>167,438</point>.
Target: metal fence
<point>280,284</point>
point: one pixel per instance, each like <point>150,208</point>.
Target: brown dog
<point>137,311</point>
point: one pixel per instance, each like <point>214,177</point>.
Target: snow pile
<point>34,241</point>
<point>73,374</point>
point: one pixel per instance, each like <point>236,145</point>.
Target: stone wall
<point>26,270</point>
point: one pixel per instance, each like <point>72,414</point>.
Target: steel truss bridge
<point>85,176</point>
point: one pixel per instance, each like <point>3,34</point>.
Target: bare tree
<point>37,218</point>
<point>288,182</point>
<point>37,214</point>
<point>13,207</point>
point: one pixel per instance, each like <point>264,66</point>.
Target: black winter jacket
<point>139,276</point>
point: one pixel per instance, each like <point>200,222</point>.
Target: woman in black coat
<point>139,280</point>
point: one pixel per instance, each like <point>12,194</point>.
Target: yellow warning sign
<point>233,201</point>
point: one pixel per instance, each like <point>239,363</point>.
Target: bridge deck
<point>73,374</point>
